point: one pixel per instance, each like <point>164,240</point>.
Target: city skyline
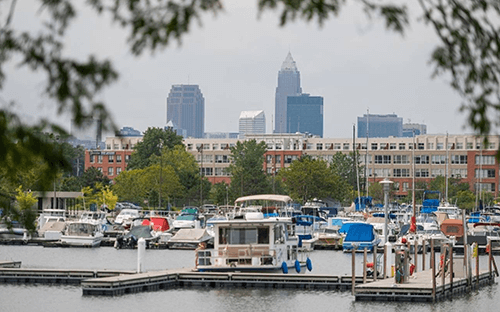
<point>352,61</point>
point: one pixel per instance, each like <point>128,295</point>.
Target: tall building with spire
<point>186,109</point>
<point>288,85</point>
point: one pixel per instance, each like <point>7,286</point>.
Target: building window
<point>111,159</point>
<point>437,172</point>
<point>346,146</point>
<point>127,158</point>
<point>374,146</point>
<point>99,169</point>
<point>422,159</point>
<point>215,146</point>
<point>460,145</point>
<point>459,159</point>
<point>401,172</point>
<point>190,147</point>
<point>485,160</point>
<point>459,173</point>
<point>421,146</point>
<point>278,159</point>
<point>406,186</point>
<point>421,173</point>
<point>91,159</point>
<point>118,170</point>
<point>382,159</point>
<point>99,159</point>
<point>439,146</point>
<point>110,171</point>
<point>401,159</point>
<point>430,146</point>
<point>319,146</point>
<point>224,159</point>
<point>336,146</point>
<point>118,159</point>
<point>206,171</point>
<point>402,146</point>
<point>392,146</point>
<point>469,145</point>
<point>116,146</point>
<point>438,159</point>
<point>108,146</point>
<point>220,172</point>
<point>487,187</point>
<point>485,173</point>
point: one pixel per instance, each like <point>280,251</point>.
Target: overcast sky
<point>353,63</point>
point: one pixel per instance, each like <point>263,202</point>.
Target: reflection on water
<point>24,297</point>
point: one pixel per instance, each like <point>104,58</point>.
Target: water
<point>26,297</point>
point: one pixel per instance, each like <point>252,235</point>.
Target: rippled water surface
<point>25,297</point>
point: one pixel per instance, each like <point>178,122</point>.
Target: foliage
<point>454,186</point>
<point>345,166</point>
<point>154,142</point>
<point>465,200</point>
<point>248,177</point>
<point>219,193</point>
<point>309,178</point>
<point>26,215</point>
<point>128,186</point>
<point>101,195</point>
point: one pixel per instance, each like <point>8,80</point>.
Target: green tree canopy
<point>154,141</point>
<point>246,169</point>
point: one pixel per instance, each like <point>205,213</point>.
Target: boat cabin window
<point>244,236</point>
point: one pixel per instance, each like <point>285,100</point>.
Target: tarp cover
<point>360,232</point>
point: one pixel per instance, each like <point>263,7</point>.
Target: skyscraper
<point>288,84</point>
<point>305,114</point>
<point>252,122</point>
<point>186,109</point>
<point>380,126</point>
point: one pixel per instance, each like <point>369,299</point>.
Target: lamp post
<point>200,150</point>
<point>161,169</point>
<point>386,184</point>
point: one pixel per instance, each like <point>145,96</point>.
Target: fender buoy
<point>297,266</point>
<point>309,264</point>
<point>284,267</point>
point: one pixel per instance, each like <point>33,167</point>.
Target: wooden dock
<point>55,276</point>
<point>119,285</point>
<point>420,288</point>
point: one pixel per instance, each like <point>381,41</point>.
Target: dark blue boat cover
<point>360,232</point>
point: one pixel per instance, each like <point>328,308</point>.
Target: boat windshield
<point>243,236</point>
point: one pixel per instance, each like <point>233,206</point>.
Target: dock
<point>55,276</point>
<point>420,288</point>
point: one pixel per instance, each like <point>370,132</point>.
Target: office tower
<point>288,85</point>
<point>186,109</point>
<point>305,114</point>
<point>380,126</point>
<point>252,122</point>
<point>409,129</point>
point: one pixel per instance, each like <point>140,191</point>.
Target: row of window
<point>111,170</point>
<point>111,158</point>
<point>419,159</point>
<point>419,173</point>
<point>347,146</point>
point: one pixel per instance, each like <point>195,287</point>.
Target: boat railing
<point>234,254</point>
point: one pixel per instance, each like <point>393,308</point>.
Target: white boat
<point>95,217</point>
<point>270,205</point>
<point>189,239</point>
<point>126,216</point>
<point>81,234</point>
<point>255,244</point>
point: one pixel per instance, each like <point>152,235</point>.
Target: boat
<point>139,229</point>
<point>160,226</point>
<point>188,219</point>
<point>96,217</point>
<point>126,216</point>
<point>360,236</point>
<point>189,239</point>
<point>81,234</point>
<point>253,244</point>
<point>270,205</point>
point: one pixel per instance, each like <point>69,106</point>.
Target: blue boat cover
<point>360,232</point>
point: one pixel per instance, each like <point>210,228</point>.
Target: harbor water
<point>41,297</point>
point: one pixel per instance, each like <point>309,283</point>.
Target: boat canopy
<point>360,232</point>
<point>266,197</point>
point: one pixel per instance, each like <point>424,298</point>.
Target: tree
<point>25,213</point>
<point>219,193</point>
<point>308,178</point>
<point>92,177</point>
<point>348,168</point>
<point>246,169</point>
<point>99,195</point>
<point>154,141</point>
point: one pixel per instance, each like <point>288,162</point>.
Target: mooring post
<point>365,253</point>
<point>424,251</point>
<point>451,271</point>
<point>443,255</point>
<point>353,269</point>
<point>489,260</point>
<point>375,269</point>
<point>385,261</point>
<point>141,249</point>
<point>431,263</point>
<point>476,253</point>
<point>433,271</point>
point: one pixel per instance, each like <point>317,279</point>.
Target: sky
<point>353,62</point>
